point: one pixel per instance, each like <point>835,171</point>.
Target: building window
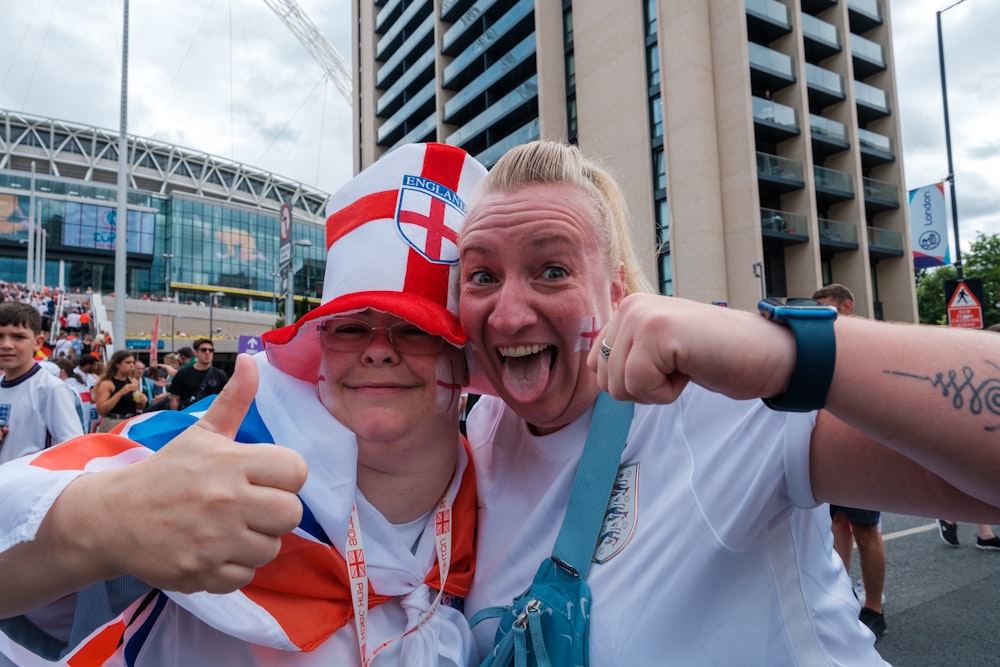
<point>653,65</point>
<point>655,117</point>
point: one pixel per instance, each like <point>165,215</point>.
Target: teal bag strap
<point>595,476</point>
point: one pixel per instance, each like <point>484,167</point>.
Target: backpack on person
<point>203,390</point>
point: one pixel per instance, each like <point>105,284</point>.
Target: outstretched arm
<point>200,514</point>
<point>927,393</point>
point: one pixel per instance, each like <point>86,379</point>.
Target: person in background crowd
<point>36,409</point>
<point>171,364</point>
<point>85,324</point>
<point>86,370</point>
<point>84,403</point>
<point>157,381</point>
<point>118,396</point>
<point>185,356</point>
<point>198,380</point>
<point>851,524</point>
<point>63,346</point>
<point>145,384</point>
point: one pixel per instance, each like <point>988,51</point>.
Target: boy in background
<point>36,409</point>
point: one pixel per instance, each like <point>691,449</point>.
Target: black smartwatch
<point>815,351</point>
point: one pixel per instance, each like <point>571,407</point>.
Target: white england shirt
<point>39,410</point>
<point>713,550</point>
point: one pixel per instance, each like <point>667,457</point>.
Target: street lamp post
<point>173,329</point>
<point>290,295</point>
<point>211,310</point>
<point>947,142</point>
<point>166,273</point>
<point>275,275</point>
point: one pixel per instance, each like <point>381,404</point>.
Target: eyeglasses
<point>206,349</point>
<point>347,335</point>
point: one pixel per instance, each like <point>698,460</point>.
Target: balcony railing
<point>833,180</point>
<point>881,191</point>
<point>771,61</point>
<point>825,36</point>
<point>868,52</point>
<point>783,222</point>
<point>885,239</point>
<point>875,141</point>
<point>864,14</point>
<point>837,232</point>
<point>776,114</point>
<point>769,9</point>
<point>871,96</point>
<point>780,168</point>
<point>828,128</point>
<point>825,80</point>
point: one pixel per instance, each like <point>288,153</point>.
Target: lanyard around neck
<point>357,571</point>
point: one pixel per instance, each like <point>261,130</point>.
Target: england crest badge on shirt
<point>428,216</point>
<point>620,515</point>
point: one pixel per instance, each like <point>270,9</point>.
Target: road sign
<point>965,308</point>
<point>285,223</point>
<point>249,344</point>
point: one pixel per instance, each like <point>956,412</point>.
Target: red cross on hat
<point>391,235</point>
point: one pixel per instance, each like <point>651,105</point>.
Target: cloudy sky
<point>268,104</point>
<point>226,78</point>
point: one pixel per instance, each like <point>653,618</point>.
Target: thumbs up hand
<point>199,515</point>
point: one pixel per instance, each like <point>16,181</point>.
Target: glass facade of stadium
<point>197,224</point>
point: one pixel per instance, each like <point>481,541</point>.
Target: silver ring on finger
<point>605,350</point>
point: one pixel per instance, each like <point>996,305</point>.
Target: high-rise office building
<point>756,140</point>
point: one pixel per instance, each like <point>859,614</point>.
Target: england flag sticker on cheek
<point>428,216</point>
<point>590,329</point>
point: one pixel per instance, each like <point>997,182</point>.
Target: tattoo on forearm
<point>965,389</point>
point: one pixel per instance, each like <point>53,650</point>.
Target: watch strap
<point>815,359</point>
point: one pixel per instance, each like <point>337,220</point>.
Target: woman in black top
<point>117,395</point>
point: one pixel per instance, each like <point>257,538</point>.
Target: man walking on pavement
<point>851,524</point>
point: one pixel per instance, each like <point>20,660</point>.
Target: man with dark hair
<point>836,295</point>
<point>198,380</point>
<point>186,355</point>
<point>85,370</point>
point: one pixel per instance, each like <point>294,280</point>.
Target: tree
<point>982,261</point>
<point>930,294</point>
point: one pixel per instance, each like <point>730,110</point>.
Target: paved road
<point>942,604</point>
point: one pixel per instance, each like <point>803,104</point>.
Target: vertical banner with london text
<point>929,227</point>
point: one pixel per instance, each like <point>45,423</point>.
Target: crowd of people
<point>363,528</point>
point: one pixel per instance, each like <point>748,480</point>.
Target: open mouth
<point>526,369</point>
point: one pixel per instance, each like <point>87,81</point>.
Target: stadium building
<point>201,229</point>
<point>756,140</point>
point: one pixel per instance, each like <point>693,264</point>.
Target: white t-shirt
<point>40,411</point>
<point>713,550</point>
<point>88,415</point>
<point>62,348</point>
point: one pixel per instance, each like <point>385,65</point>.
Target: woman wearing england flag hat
<point>364,392</point>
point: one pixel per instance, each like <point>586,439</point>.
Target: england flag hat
<point>391,239</point>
